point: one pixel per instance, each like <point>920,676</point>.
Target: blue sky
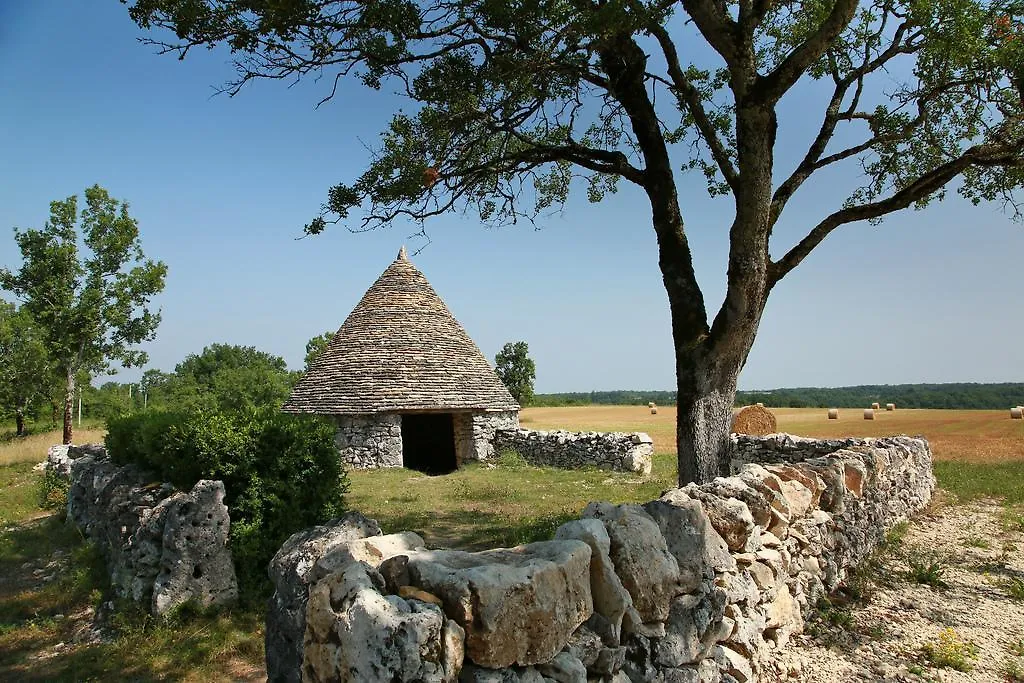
<point>222,186</point>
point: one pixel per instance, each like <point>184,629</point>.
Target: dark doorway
<point>428,442</point>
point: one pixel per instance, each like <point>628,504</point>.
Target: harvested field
<point>975,436</point>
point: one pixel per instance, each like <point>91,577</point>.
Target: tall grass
<point>33,448</point>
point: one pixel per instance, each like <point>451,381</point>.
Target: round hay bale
<point>755,421</point>
<point>1017,413</point>
<point>890,407</point>
<point>833,413</point>
<point>651,404</point>
<point>759,405</point>
<point>875,406</point>
<point>654,410</point>
<point>869,413</point>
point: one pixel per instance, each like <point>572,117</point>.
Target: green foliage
<point>1013,671</point>
<point>90,306</point>
<point>53,491</point>
<point>26,368</point>
<point>316,346</point>
<point>972,480</point>
<point>512,459</point>
<point>230,378</point>
<point>517,371</point>
<point>1014,586</point>
<point>950,651</point>
<point>926,569</point>
<point>281,473</point>
<point>977,542</point>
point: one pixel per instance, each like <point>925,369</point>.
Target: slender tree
<point>26,370</point>
<point>515,99</point>
<point>516,370</point>
<point>90,305</point>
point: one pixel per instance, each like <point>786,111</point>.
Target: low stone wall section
<point>163,547</point>
<point>485,425</point>
<point>704,584</point>
<point>369,441</point>
<point>618,451</point>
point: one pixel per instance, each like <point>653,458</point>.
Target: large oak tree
<point>514,100</point>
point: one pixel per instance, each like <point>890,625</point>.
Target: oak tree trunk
<point>69,404</point>
<point>703,422</point>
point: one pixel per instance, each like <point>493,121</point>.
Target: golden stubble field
<point>978,436</point>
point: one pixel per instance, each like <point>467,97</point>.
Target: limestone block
<point>699,550</point>
<point>564,668</point>
<point>729,516</point>
<point>611,599</point>
<point>798,497</point>
<point>356,634</point>
<point>195,565</point>
<point>518,606</point>
<point>641,557</point>
<point>291,572</point>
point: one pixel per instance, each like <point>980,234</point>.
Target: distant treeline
<point>952,396</point>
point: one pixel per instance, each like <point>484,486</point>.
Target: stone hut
<point>404,383</point>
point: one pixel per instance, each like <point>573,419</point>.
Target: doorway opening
<point>428,442</point>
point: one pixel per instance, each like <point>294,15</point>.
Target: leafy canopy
<point>91,304</point>
<point>26,369</point>
<point>513,99</point>
<point>517,371</point>
<point>224,378</point>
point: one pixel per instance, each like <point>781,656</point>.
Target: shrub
<point>926,569</point>
<point>950,652</point>
<point>53,492</point>
<point>281,473</point>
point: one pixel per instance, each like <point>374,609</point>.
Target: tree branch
<point>772,87</point>
<point>690,99</point>
<point>982,155</point>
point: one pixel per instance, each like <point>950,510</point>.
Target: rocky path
<point>977,619</point>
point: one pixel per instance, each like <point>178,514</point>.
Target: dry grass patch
<point>979,436</point>
<point>32,448</point>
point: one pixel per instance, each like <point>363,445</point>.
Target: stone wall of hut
<point>369,441</point>
<point>373,441</point>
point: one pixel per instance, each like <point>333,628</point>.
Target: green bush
<point>53,492</point>
<point>281,473</point>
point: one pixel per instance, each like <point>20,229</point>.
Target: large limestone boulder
<point>642,560</point>
<point>89,476</point>
<point>354,633</point>
<point>196,564</point>
<point>518,606</point>
<point>699,549</point>
<point>59,457</point>
<point>291,572</point>
<point>611,599</point>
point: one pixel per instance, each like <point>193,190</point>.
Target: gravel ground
<point>883,637</point>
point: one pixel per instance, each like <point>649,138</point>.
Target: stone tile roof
<point>399,349</point>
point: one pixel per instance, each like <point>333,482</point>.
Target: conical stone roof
<point>399,349</point>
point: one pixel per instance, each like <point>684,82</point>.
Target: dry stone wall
<point>163,547</point>
<point>704,584</point>
<point>485,425</point>
<point>616,451</point>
